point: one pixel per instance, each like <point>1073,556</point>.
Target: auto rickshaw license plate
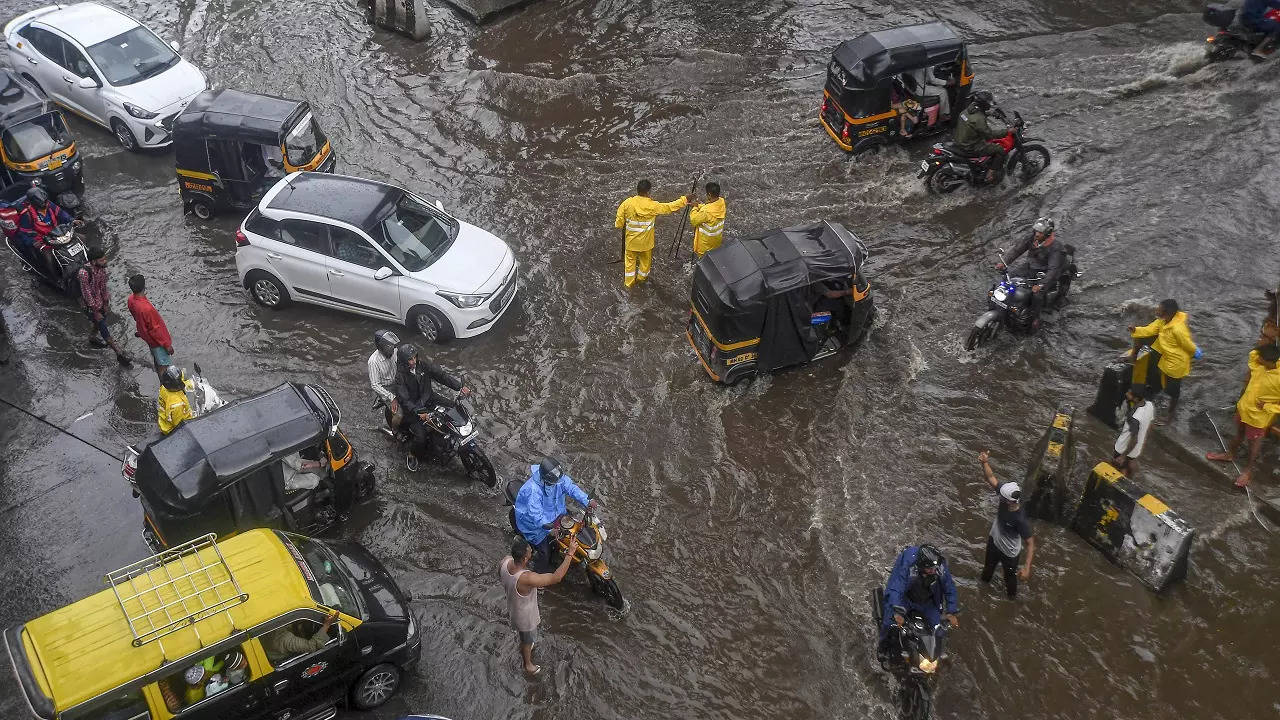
<point>56,163</point>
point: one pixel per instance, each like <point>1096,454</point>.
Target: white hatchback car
<point>374,249</point>
<point>106,66</point>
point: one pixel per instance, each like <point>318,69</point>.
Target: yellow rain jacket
<point>172,408</point>
<point>707,220</point>
<point>1263,385</point>
<point>636,214</point>
<point>1173,342</point>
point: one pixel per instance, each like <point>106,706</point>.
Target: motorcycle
<point>945,170</point>
<point>1009,303</point>
<point>915,652</point>
<point>455,435</point>
<point>64,255</point>
<point>204,399</point>
<point>1232,37</point>
<point>589,529</point>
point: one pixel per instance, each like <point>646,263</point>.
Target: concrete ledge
<point>1133,528</point>
<point>481,11</point>
<point>1046,483</point>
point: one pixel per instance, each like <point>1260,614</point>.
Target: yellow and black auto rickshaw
<point>35,144</point>
<point>879,83</point>
<point>231,147</point>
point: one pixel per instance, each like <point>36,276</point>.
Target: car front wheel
<point>124,135</point>
<point>376,686</point>
<point>430,324</point>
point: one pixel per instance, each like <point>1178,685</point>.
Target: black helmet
<point>37,196</point>
<point>550,470</point>
<point>404,354</point>
<point>386,342</point>
<point>983,100</point>
<point>172,379</point>
<point>928,557</point>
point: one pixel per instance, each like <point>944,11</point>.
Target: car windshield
<point>132,56</point>
<point>329,583</point>
<point>414,235</point>
<point>303,141</point>
<point>34,139</point>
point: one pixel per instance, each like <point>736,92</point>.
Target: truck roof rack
<point>176,589</point>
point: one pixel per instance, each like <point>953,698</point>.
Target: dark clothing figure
<point>974,131</point>
<point>1050,259</point>
<point>906,589</point>
<point>1004,545</point>
<point>1256,15</point>
<point>415,394</point>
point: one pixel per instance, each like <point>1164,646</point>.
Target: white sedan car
<point>107,67</point>
<point>377,250</point>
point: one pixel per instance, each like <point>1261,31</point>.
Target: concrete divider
<point>1133,528</point>
<point>407,17</point>
<point>485,10</point>
<point>1045,486</point>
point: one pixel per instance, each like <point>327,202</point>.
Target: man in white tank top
<point>521,585</point>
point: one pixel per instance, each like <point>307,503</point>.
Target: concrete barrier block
<point>407,17</point>
<point>481,11</point>
<point>1133,528</point>
<point>1045,486</point>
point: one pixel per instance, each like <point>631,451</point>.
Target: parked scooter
<point>204,399</point>
<point>945,170</point>
<point>455,436</point>
<point>589,529</point>
<point>916,651</point>
<point>1009,303</point>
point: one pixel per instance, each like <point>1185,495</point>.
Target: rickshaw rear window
<point>29,141</point>
<point>326,579</point>
<point>303,141</point>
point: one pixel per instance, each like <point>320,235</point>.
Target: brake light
<point>845,133</point>
<point>937,151</point>
<point>824,105</point>
<point>241,239</point>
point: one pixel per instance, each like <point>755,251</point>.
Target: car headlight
<point>461,300</point>
<point>138,112</point>
<point>412,627</point>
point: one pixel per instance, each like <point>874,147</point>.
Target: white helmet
<point>1043,225</point>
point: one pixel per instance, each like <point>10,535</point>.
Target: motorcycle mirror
<point>197,368</point>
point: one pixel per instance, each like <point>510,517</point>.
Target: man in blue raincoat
<point>920,582</point>
<point>540,502</point>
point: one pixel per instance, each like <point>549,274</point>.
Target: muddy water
<point>746,523</point>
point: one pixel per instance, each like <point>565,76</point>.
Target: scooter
<point>64,255</point>
<point>1232,37</point>
<point>456,435</point>
<point>204,399</point>
<point>945,170</point>
<point>915,652</point>
<point>1009,303</point>
<point>589,529</point>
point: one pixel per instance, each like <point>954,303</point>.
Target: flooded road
<point>746,523</point>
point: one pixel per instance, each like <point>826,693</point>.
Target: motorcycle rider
<point>1044,255</point>
<point>1262,16</point>
<point>382,377</point>
<point>920,582</point>
<point>416,396</point>
<point>540,502</point>
<point>37,219</point>
<point>977,126</point>
<point>172,406</point>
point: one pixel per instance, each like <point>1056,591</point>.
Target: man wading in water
<point>522,585</point>
<point>1010,529</point>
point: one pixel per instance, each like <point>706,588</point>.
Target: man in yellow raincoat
<point>1255,410</point>
<point>707,221</point>
<point>636,216</point>
<point>1174,350</point>
<point>172,406</point>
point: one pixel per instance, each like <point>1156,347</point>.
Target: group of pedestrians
<point>636,217</point>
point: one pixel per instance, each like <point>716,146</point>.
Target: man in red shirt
<point>151,327</point>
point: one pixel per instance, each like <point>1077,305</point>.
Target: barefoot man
<point>522,585</point>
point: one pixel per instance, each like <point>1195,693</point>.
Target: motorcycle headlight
<point>464,430</point>
<point>927,665</point>
<point>594,553</point>
<point>138,112</point>
<point>461,300</point>
<point>412,627</point>
<point>999,294</point>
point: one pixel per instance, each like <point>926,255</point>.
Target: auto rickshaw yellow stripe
<point>34,166</point>
<point>843,145</point>
<point>860,121</point>
<point>730,346</point>
<point>698,352</point>
<point>197,175</point>
<point>315,161</point>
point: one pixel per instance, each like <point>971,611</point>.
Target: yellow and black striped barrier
<point>1133,528</point>
<point>407,17</point>
<point>1046,484</point>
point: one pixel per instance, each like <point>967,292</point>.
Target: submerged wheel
<point>268,291</point>
<point>1218,53</point>
<point>430,324</point>
<point>1032,160</point>
<point>979,335</point>
<point>477,464</point>
<point>917,702</point>
<point>202,208</point>
<point>376,686</point>
<point>943,182</point>
<point>608,589</point>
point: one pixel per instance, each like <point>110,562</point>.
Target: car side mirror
<point>174,44</point>
<point>383,273</point>
<point>87,83</point>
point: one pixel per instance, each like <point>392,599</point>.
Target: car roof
<point>88,23</point>
<point>86,648</point>
<point>354,201</point>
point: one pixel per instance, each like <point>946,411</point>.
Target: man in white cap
<point>1008,533</point>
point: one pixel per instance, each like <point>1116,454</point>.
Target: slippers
<point>1217,457</point>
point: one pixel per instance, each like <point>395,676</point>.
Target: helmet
<point>37,196</point>
<point>194,675</point>
<point>405,353</point>
<point>172,379</point>
<point>1043,225</point>
<point>928,558</point>
<point>550,470</point>
<point>386,342</point>
<point>983,100</point>
<point>1011,492</point>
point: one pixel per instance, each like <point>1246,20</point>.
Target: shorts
<point>1251,433</point>
<point>161,356</point>
<point>528,637</point>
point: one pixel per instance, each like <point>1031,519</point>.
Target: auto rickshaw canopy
<point>183,470</point>
<point>873,57</point>
<point>761,289</point>
<point>232,115</point>
<point>87,648</point>
<point>19,101</point>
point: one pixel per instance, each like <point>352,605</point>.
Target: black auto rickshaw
<point>779,299</point>
<point>36,145</point>
<point>230,147</point>
<point>274,460</point>
<point>920,71</point>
